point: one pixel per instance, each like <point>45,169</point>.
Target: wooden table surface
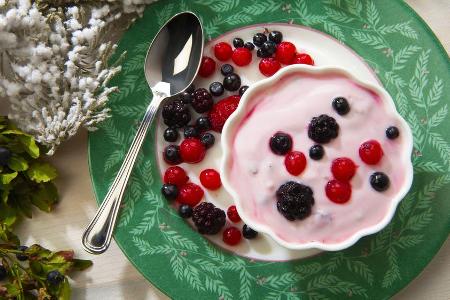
<point>113,277</point>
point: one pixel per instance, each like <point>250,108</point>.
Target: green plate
<point>413,67</point>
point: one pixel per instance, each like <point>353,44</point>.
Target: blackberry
<point>269,47</point>
<point>379,181</point>
<point>202,100</point>
<point>216,89</point>
<point>207,139</point>
<point>208,219</point>
<point>203,123</point>
<point>249,233</point>
<point>232,82</point>
<point>341,106</point>
<point>323,129</point>
<point>316,152</point>
<point>176,114</point>
<point>55,277</point>
<point>294,200</point>
<point>259,39</point>
<point>186,97</point>
<point>238,42</point>
<point>226,69</point>
<point>392,132</point>
<point>280,143</point>
<point>172,155</point>
<point>243,89</point>
<point>262,54</point>
<point>5,155</point>
<point>249,46</point>
<point>22,256</point>
<point>171,134</point>
<point>191,131</point>
<point>275,36</point>
<point>185,211</point>
<point>169,191</point>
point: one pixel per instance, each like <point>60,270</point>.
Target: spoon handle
<point>97,236</point>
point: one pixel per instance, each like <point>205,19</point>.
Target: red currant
<point>303,58</point>
<point>192,150</point>
<point>343,168</point>
<point>207,67</point>
<point>175,175</point>
<point>223,51</point>
<point>269,66</point>
<point>370,152</point>
<point>233,214</point>
<point>231,236</point>
<point>241,56</point>
<point>295,162</point>
<point>285,52</point>
<point>338,191</point>
<point>190,194</point>
<point>210,179</point>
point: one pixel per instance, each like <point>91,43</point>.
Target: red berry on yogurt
<point>207,67</point>
<point>303,59</point>
<point>233,214</point>
<point>190,193</point>
<point>269,66</point>
<point>175,175</point>
<point>338,191</point>
<point>285,53</point>
<point>192,150</point>
<point>210,179</point>
<point>370,152</point>
<point>295,162</point>
<point>343,168</point>
<point>223,51</point>
<point>241,56</point>
<point>231,236</point>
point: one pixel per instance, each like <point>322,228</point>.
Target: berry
<point>275,36</point>
<point>392,132</point>
<point>323,129</point>
<point>238,42</point>
<point>202,101</point>
<point>269,47</point>
<point>175,175</point>
<point>192,150</point>
<point>295,162</point>
<point>269,66</point>
<point>249,45</point>
<point>232,82</point>
<point>341,106</point>
<point>241,56</point>
<point>207,67</point>
<point>243,89</point>
<point>207,140</point>
<point>190,89</point>
<point>221,111</point>
<point>343,168</point>
<point>303,59</point>
<point>379,181</point>
<point>216,88</point>
<point>294,200</point>
<point>185,211</point>
<point>3,273</point>
<point>186,97</point>
<point>169,191</point>
<point>208,219</point>
<point>210,179</point>
<point>370,152</point>
<point>203,123</point>
<point>262,54</point>
<point>176,114</point>
<point>231,236</point>
<point>22,256</point>
<point>338,191</point>
<point>223,51</point>
<point>172,155</point>
<point>316,152</point>
<point>5,155</point>
<point>54,277</point>
<point>259,39</point>
<point>233,214</point>
<point>280,143</point>
<point>170,134</point>
<point>226,69</point>
<point>190,193</point>
<point>285,53</point>
<point>249,233</point>
<point>191,131</point>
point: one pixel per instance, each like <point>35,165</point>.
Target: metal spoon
<point>171,64</point>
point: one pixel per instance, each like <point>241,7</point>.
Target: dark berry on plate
<point>210,179</point>
<point>169,191</point>
<point>249,233</point>
<point>316,152</point>
<point>207,139</point>
<point>303,59</point>
<point>190,89</point>
<point>232,82</point>
<point>280,143</point>
<point>192,150</point>
<point>341,106</point>
<point>171,134</point>
<point>249,45</point>
<point>379,181</point>
<point>175,175</point>
<point>269,47</point>
<point>269,66</point>
<point>275,36</point>
<point>370,152</point>
<point>338,191</point>
<point>203,123</point>
<point>343,168</point>
<point>221,111</point>
<point>226,69</point>
<point>191,194</point>
<point>22,256</point>
<point>285,53</point>
<point>5,155</point>
<point>262,54</point>
<point>176,114</point>
<point>202,100</point>
<point>392,132</point>
<point>54,277</point>
<point>191,131</point>
<point>294,200</point>
<point>233,214</point>
<point>208,219</point>
<point>238,42</point>
<point>243,89</point>
<point>185,211</point>
<point>259,39</point>
<point>323,129</point>
<point>186,97</point>
<point>207,67</point>
<point>3,273</point>
<point>223,51</point>
<point>295,162</point>
<point>242,56</point>
<point>231,236</point>
<point>172,155</point>
<point>216,89</point>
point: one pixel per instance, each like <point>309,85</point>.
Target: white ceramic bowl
<point>235,119</point>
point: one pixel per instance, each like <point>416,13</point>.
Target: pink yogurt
<point>288,105</point>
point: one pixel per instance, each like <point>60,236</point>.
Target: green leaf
<point>64,291</point>
<point>213,252</point>
<point>419,221</point>
<point>334,262</point>
<point>114,159</point>
<point>133,64</point>
<point>41,172</point>
<point>354,6</point>
<point>438,117</point>
<point>208,266</point>
<point>17,163</point>
<point>369,39</point>
<point>220,6</point>
<point>245,290</point>
<point>7,178</point>
<point>309,269</point>
<point>441,145</point>
<point>192,276</point>
<point>393,272</point>
<point>146,223</point>
<point>373,16</point>
<point>428,167</point>
<point>237,19</point>
<point>176,263</point>
<point>417,130</point>
<point>133,111</point>
<point>29,145</point>
<point>403,28</point>
<point>113,134</point>
<point>428,192</point>
<point>316,296</point>
<point>334,30</point>
<point>262,7</point>
<point>281,281</point>
<point>361,269</point>
<point>180,241</point>
<point>164,13</point>
<point>45,196</point>
<point>338,15</point>
<point>408,241</point>
<point>218,287</point>
<point>273,296</point>
<point>81,264</point>
<point>402,56</point>
<point>435,93</point>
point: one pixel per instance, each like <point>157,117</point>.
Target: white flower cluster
<point>57,64</point>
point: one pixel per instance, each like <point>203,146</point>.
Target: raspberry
<point>295,162</point>
<point>221,111</point>
<point>223,51</point>
<point>343,168</point>
<point>192,150</point>
<point>208,219</point>
<point>303,59</point>
<point>190,193</point>
<point>294,200</point>
<point>370,152</point>
<point>210,179</point>
<point>285,53</point>
<point>241,56</point>
<point>233,214</point>
<point>269,66</point>
<point>323,129</point>
<point>202,101</point>
<point>207,67</point>
<point>231,236</point>
<point>175,175</point>
<point>338,191</point>
<point>176,114</point>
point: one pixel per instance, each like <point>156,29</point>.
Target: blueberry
<point>226,69</point>
<point>232,82</point>
<point>259,39</point>
<point>243,89</point>
<point>185,211</point>
<point>238,43</point>
<point>249,46</point>
<point>316,152</point>
<point>207,139</point>
<point>3,273</point>
<point>186,97</point>
<point>341,106</point>
<point>22,256</point>
<point>269,47</point>
<point>191,89</point>
<point>275,36</point>
<point>216,89</point>
<point>191,131</point>
<point>171,134</point>
<point>392,132</point>
<point>249,233</point>
<point>379,181</point>
<point>280,143</point>
<point>262,54</point>
<point>54,277</point>
<point>203,123</point>
<point>5,155</point>
<point>172,155</point>
<point>169,191</point>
